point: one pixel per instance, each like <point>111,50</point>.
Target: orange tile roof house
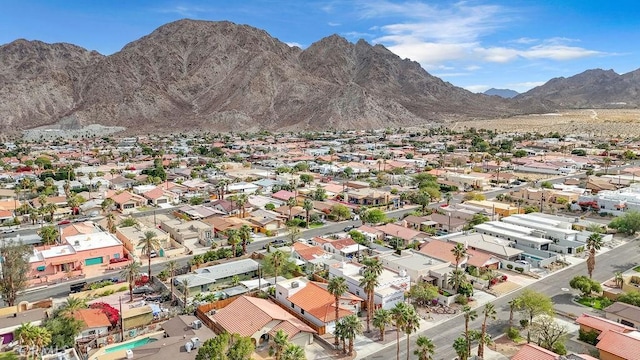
<point>616,345</point>
<point>407,234</point>
<point>534,352</point>
<point>314,303</point>
<point>95,322</point>
<point>260,319</point>
<point>600,325</point>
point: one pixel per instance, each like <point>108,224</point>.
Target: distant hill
<point>503,93</point>
<point>595,88</point>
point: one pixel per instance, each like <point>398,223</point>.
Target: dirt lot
<point>596,122</point>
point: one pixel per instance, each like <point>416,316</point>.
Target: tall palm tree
<point>352,328</point>
<point>131,273</point>
<point>618,279</point>
<point>469,315</point>
<point>233,238</point>
<point>26,334</point>
<point>425,348</point>
<point>489,312</point>
<point>307,205</point>
<point>245,236</point>
<point>459,252</point>
<point>51,209</point>
<point>460,346</point>
<point>111,222</point>
<point>382,318</point>
<point>340,334</point>
<point>514,305</point>
<point>42,338</point>
<point>185,291</point>
<point>106,205</point>
<point>399,315</point>
<point>411,324</point>
<point>280,342</point>
<point>291,203</point>
<point>149,243</point>
<point>277,260</point>
<point>594,243</point>
<point>293,352</point>
<point>241,200</point>
<point>336,287</point>
<point>372,272</point>
<point>171,268</point>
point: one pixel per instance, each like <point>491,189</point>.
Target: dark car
<point>143,290</point>
<point>77,287</point>
<point>349,228</point>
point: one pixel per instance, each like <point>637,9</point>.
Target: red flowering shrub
<point>112,313</point>
<point>142,280</point>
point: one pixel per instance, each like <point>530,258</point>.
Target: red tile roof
<point>308,252</point>
<point>623,345</point>
<point>601,324</point>
<point>318,302</point>
<point>93,318</point>
<point>246,315</point>
<point>534,352</point>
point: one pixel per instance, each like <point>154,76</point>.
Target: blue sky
<point>477,45</point>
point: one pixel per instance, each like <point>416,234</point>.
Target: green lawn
<point>637,268</point>
<point>596,303</point>
<point>315,226</point>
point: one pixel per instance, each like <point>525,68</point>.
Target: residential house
<point>208,278</point>
<point>447,224</point>
<point>311,257</point>
<point>126,202</point>
<point>260,319</point>
<point>418,265</point>
<point>199,212</point>
<point>490,244</point>
<point>443,251</point>
<point>131,237</point>
<point>592,323</point>
<point>391,284</point>
<point>183,231</point>
<point>405,233</point>
<point>495,208</point>
<point>314,303</point>
<point>96,323</point>
<point>50,263</point>
<point>622,313</point>
<point>161,197</point>
<point>11,321</point>
<point>420,223</point>
<point>618,345</point>
<point>532,351</point>
<point>265,221</point>
<point>373,197</point>
<point>283,195</point>
<point>224,206</point>
<point>345,247</point>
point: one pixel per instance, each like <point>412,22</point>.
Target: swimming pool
<point>130,345</point>
<point>533,257</point>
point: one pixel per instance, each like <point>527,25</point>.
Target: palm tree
<point>372,272</point>
<point>291,203</point>
<point>72,305</point>
<point>277,259</point>
<point>448,197</point>
<point>26,334</point>
<point>245,236</point>
<point>514,305</point>
<point>460,345</point>
<point>352,328</point>
<point>489,312</point>
<point>459,252</point>
<point>185,291</point>
<point>131,273</point>
<point>399,315</point>
<point>469,315</point>
<point>457,278</point>
<point>336,287</point>
<point>42,338</point>
<point>340,333</point>
<point>241,200</point>
<point>233,238</point>
<point>293,352</point>
<point>106,204</point>
<point>111,222</point>
<point>51,209</point>
<point>618,279</point>
<point>381,318</point>
<point>171,268</point>
<point>280,342</point>
<point>594,243</point>
<point>149,244</point>
<point>425,348</point>
<point>411,324</point>
<point>49,235</point>
<point>307,205</point>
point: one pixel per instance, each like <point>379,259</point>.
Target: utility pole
<point>122,320</point>
<point>541,200</point>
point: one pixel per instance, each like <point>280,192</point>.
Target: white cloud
<point>293,44</point>
<point>184,11</point>
<point>333,24</point>
<point>473,67</point>
<point>431,55</point>
<point>558,52</point>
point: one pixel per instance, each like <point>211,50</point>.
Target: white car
<point>523,262</point>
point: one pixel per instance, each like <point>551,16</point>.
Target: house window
<point>116,256</point>
<point>302,311</point>
<point>293,306</point>
<point>357,292</point>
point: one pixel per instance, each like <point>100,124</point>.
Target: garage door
<point>93,261</point>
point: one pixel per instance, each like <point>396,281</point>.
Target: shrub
<point>509,266</point>
<point>519,269</point>
<point>524,323</point>
<point>559,348</point>
<point>504,278</point>
<point>462,299</point>
<point>123,288</point>
<point>513,333</point>
<point>590,337</point>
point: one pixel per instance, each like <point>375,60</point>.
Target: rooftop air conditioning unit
<point>295,284</point>
<point>196,324</point>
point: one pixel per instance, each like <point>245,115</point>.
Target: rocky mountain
<point>593,88</point>
<point>219,76</point>
<point>504,93</point>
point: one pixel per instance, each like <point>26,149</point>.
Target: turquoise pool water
<point>130,345</point>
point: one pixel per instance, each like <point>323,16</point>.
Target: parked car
<point>143,290</point>
<point>523,262</point>
<point>349,228</point>
<point>77,287</point>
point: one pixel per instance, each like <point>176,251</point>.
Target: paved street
<point>618,259</point>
